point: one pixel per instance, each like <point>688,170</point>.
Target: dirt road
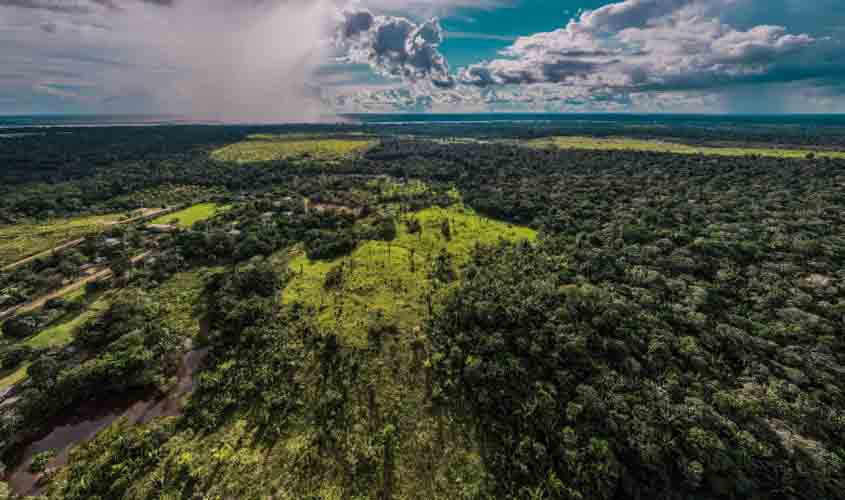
<point>146,214</point>
<point>38,303</point>
<point>46,253</point>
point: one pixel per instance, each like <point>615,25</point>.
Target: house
<point>161,228</point>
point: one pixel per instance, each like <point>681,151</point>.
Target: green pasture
<point>191,215</point>
<point>624,144</point>
<point>18,241</point>
<point>264,148</point>
<point>391,279</point>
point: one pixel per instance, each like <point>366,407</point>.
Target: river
<point>93,417</point>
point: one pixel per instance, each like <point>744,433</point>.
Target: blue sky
<point>300,60</point>
<point>518,19</point>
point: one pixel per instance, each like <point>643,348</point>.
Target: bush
<point>41,461</point>
<point>328,245</point>
<point>334,278</point>
<point>15,355</point>
<point>414,226</point>
<point>56,303</point>
<point>20,327</point>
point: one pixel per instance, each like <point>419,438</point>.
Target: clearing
<point>58,335</point>
<point>264,148</point>
<point>391,279</point>
<point>191,215</point>
<point>179,298</point>
<point>18,241</point>
<point>625,144</point>
<point>103,273</point>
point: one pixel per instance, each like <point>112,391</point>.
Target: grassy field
<point>262,148</point>
<point>62,334</point>
<point>671,147</point>
<point>179,298</point>
<point>392,279</point>
<point>191,215</point>
<point>18,241</point>
<point>56,336</point>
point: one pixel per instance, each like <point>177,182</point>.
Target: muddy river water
<point>92,418</point>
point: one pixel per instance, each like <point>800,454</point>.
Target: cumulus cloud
<point>639,44</point>
<point>627,53</point>
<point>261,59</point>
<point>394,47</point>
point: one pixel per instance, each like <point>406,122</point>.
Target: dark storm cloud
<point>222,59</point>
<point>66,7</point>
<point>75,6</point>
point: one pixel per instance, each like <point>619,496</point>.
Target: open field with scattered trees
<point>265,148</point>
<point>392,281</point>
<point>18,241</point>
<point>657,146</point>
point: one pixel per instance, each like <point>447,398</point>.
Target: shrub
<point>41,461</point>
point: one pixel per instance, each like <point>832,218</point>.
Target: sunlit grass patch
<point>15,376</point>
<point>264,147</point>
<point>389,188</point>
<point>624,144</point>
<point>62,334</point>
<point>191,215</point>
<point>180,298</point>
<point>18,241</point>
<point>57,336</point>
<point>391,280</point>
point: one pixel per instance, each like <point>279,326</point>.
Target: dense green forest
<point>450,313</point>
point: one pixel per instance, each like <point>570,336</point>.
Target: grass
<point>624,144</point>
<point>62,334</point>
<point>180,298</point>
<point>392,189</point>
<point>380,279</point>
<point>191,215</point>
<point>18,241</point>
<point>15,376</point>
<point>163,196</point>
<point>57,336</point>
<point>264,148</point>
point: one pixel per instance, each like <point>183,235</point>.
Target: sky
<point>310,60</point>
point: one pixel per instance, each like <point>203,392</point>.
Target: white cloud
<point>641,44</point>
<point>639,54</point>
<point>394,47</point>
<point>259,59</point>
